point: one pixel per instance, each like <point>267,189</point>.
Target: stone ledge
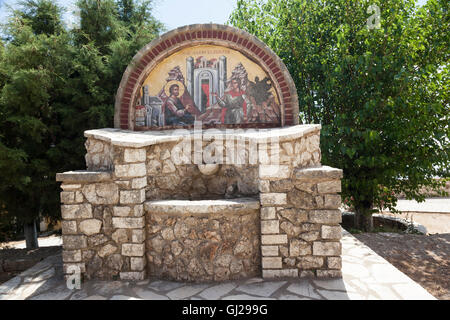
<point>202,207</point>
<point>84,176</point>
<point>322,172</point>
<point>137,139</point>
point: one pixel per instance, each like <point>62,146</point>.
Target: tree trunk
<point>30,232</point>
<point>363,219</point>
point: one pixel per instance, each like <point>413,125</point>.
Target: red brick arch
<point>213,34</point>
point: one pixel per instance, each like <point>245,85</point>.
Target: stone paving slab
<point>366,276</point>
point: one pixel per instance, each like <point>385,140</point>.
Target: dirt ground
<point>425,259</point>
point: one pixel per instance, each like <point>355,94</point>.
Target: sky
<point>173,13</point>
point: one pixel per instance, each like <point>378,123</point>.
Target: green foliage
<point>381,95</point>
<point>54,85</point>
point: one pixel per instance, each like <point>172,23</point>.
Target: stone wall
<point>105,223</point>
<point>203,240</point>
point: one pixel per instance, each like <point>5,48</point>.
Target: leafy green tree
<point>35,66</point>
<point>380,91</point>
<point>54,85</point>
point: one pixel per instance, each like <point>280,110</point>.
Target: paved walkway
<point>437,205</point>
<point>365,276</point>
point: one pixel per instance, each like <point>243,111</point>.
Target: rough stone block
<point>322,173</point>
<point>101,193</point>
<point>107,250</point>
<point>74,242</point>
<point>67,197</point>
<point>137,263</point>
<point>132,276</point>
<point>310,262</point>
<point>130,170</point>
<point>332,201</point>
<point>138,236</point>
<point>271,263</point>
<point>325,216</point>
<point>134,155</point>
<point>132,196</point>
<point>90,226</point>
<point>133,250</point>
<point>309,236</point>
<point>120,236</point>
<point>69,227</point>
<point>274,239</point>
<point>128,222</point>
<point>329,274</point>
<point>264,186</point>
<point>334,263</point>
<point>273,199</point>
<point>274,172</point>
<point>121,211</point>
<point>326,248</point>
<point>139,183</point>
<point>331,232</point>
<point>270,226</point>
<point>268,213</point>
<point>70,187</point>
<point>138,210</point>
<point>333,186</point>
<point>76,211</point>
<point>284,273</point>
<point>299,248</point>
<point>71,255</point>
<point>269,251</point>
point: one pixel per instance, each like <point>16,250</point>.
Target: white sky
<point>173,13</point>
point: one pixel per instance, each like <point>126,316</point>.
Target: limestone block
<point>299,248</point>
<point>333,186</point>
<point>154,167</point>
<point>168,167</point>
<point>120,236</point>
<point>270,226</point>
<point>90,226</point>
<point>138,183</point>
<point>326,248</point>
<point>67,197</point>
<point>101,193</point>
<point>71,255</point>
<point>325,216</point>
<point>274,239</point>
<point>322,172</point>
<point>274,172</point>
<point>284,273</point>
<point>132,276</point>
<point>133,250</point>
<point>137,263</point>
<point>128,222</point>
<point>130,170</point>
<point>70,187</point>
<point>268,213</point>
<point>309,236</point>
<point>332,201</point>
<point>310,262</point>
<point>138,236</point>
<point>107,250</point>
<point>264,186</point>
<point>121,211</point>
<point>271,263</point>
<point>269,251</point>
<point>331,232</point>
<point>313,143</point>
<point>134,155</point>
<point>329,274</point>
<point>288,148</point>
<point>138,210</point>
<point>294,215</point>
<point>74,242</point>
<point>334,262</point>
<point>69,227</point>
<point>76,211</point>
<point>283,185</point>
<point>124,184</point>
<point>302,200</point>
<point>132,196</point>
<point>273,199</point>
